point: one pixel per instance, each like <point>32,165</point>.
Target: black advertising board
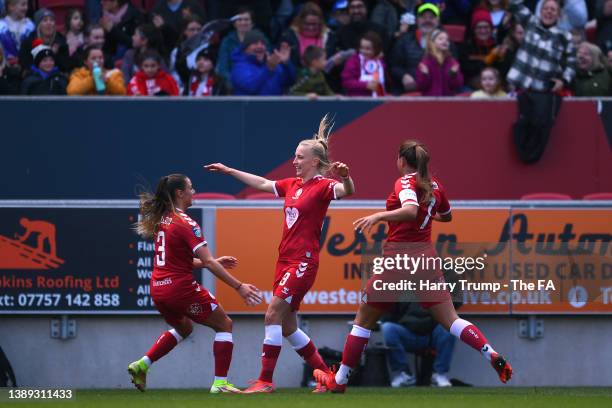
<point>74,260</point>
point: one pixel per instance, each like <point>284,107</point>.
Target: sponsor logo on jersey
<point>197,232</point>
<point>163,282</point>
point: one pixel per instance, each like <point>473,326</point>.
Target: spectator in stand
<point>543,67</point>
<point>364,72</point>
<point>178,57</point>
<point>502,56</point>
<point>9,76</point>
<point>83,82</point>
<point>44,78</point>
<point>151,79</point>
<point>146,37</point>
<point>263,12</point>
<point>594,74</point>
<point>573,14</point>
<point>44,19</point>
<point>349,35</point>
<point>94,37</point>
<point>339,15</point>
<point>308,29</point>
<point>387,14</point>
<point>500,17</point>
<point>257,72</point>
<point>243,23</point>
<point>75,27</point>
<point>479,44</point>
<point>409,327</point>
<point>202,80</point>
<point>438,74</point>
<point>169,17</point>
<point>119,20</point>
<point>311,80</point>
<point>490,85</point>
<point>15,28</point>
<point>410,48</point>
<point>603,13</point>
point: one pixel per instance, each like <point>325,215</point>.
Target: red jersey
<point>305,208</point>
<point>405,193</point>
<point>176,240</point>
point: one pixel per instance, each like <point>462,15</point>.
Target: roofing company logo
<point>15,254</point>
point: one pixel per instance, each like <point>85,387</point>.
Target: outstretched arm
<point>405,213</point>
<point>249,179</point>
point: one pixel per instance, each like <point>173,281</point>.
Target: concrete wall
<point>575,351</point>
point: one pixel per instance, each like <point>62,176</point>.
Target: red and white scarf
<point>373,70</point>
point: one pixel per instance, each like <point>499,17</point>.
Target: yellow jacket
<point>82,83</point>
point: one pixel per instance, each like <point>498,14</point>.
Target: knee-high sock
<point>164,344</point>
<point>304,346</point>
<point>356,343</point>
<point>222,350</point>
<point>271,349</point>
<point>470,335</point>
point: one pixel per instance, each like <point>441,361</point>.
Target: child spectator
<point>203,81</point>
<point>311,80</point>
<point>44,77</point>
<point>502,56</point>
<point>438,73</point>
<point>93,79</point>
<point>364,72</point>
<point>75,25</point>
<point>14,29</point>
<point>9,76</point>
<point>93,37</point>
<point>119,20</point>
<point>192,27</point>
<point>151,79</point>
<point>146,37</point>
<point>170,15</point>
<point>44,19</point>
<point>594,75</point>
<point>490,85</point>
<point>477,47</point>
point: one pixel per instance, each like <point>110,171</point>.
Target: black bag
<point>7,376</point>
<point>537,114</point>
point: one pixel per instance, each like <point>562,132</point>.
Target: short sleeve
<point>282,186</point>
<point>329,190</point>
<point>405,191</point>
<point>191,233</point>
<point>444,207</point>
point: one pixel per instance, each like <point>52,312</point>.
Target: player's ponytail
<point>417,157</point>
<point>320,143</point>
<point>154,206</point>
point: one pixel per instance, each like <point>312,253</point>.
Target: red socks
<point>164,344</point>
<point>470,335</point>
<point>356,343</point>
<point>312,357</point>
<point>268,362</point>
<point>222,350</point>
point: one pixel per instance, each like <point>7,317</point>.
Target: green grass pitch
<point>355,397</point>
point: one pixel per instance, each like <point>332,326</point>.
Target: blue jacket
<point>251,77</point>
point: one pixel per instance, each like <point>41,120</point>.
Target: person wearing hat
<point>474,51</point>
<point>348,36</point>
<point>410,48</point>
<point>44,77</point>
<point>44,19</point>
<point>257,72</point>
<point>203,81</point>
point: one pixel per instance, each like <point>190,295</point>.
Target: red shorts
<point>293,279</point>
<point>178,300</point>
<point>385,299</point>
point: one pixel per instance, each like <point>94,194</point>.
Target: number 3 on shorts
<point>284,280</point>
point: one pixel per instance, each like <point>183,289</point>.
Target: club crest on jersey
<point>291,216</point>
<point>297,194</point>
<point>197,232</point>
<point>195,309</point>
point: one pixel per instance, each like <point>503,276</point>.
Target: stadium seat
<point>456,32</point>
<point>598,196</point>
<point>213,196</point>
<point>60,8</point>
<point>415,93</point>
<point>261,196</point>
<point>546,196</point>
<point>591,33</point>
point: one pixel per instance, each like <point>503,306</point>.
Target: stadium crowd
<point>482,48</point>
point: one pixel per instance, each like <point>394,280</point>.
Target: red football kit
<point>412,238</point>
<point>298,253</point>
<point>173,289</point>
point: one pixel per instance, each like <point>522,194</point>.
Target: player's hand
<point>364,224</point>
<point>340,169</point>
<point>250,294</point>
<point>228,262</point>
<point>218,168</point>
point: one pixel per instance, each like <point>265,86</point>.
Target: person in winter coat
<point>46,30</point>
<point>255,72</point>
<point>15,27</point>
<point>594,74</point>
<point>151,80</point>
<point>203,81</point>
<point>439,73</point>
<point>364,72</point>
<point>44,78</point>
<point>474,51</point>
<point>82,80</point>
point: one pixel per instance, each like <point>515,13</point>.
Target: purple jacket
<point>440,81</point>
<point>351,73</point>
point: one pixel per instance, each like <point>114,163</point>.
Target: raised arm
<point>347,187</point>
<point>251,180</point>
